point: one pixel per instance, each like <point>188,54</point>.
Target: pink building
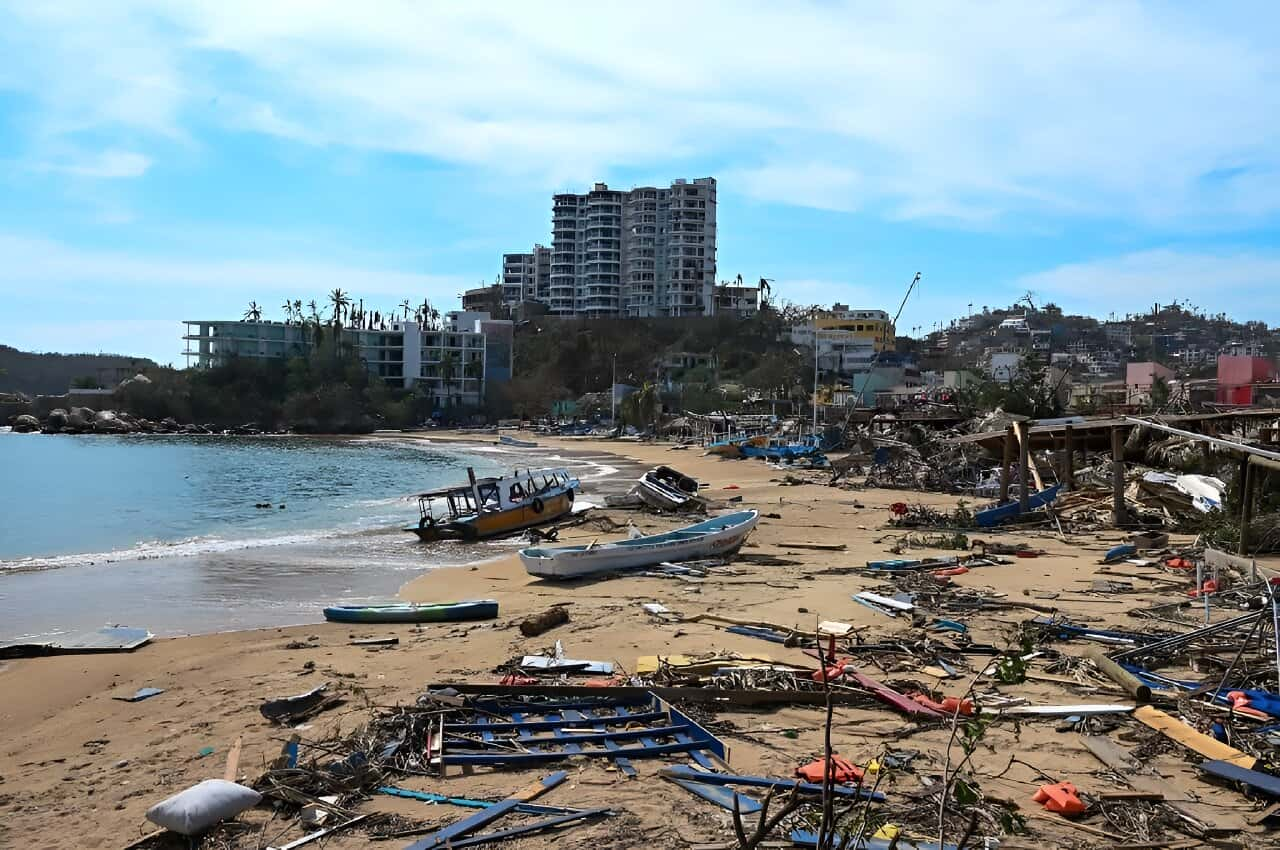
<point>1140,376</point>
<point>1237,375</point>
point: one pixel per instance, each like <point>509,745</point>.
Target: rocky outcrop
<point>109,422</point>
<point>56,421</point>
<point>26,423</point>
<point>79,420</point>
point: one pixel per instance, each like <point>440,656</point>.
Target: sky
<point>162,161</point>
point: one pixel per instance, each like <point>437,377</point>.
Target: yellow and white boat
<point>492,507</point>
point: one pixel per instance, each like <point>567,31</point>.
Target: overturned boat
<point>667,489</point>
<point>491,507</point>
<point>712,537</point>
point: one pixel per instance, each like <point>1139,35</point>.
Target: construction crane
<point>910,288</point>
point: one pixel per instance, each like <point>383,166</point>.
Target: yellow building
<point>871,325</point>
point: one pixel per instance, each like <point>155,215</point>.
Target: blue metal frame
<point>502,721</point>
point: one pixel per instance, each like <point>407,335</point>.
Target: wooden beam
<point>1118,513</point>
<point>1246,504</point>
<point>1004,464</point>
<point>1068,439</point>
<point>1174,729</point>
<point>1024,486</point>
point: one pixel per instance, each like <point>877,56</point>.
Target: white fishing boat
<point>707,539</point>
<point>667,489</point>
<point>512,441</point>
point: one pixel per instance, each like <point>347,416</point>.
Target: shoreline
<point>91,765</point>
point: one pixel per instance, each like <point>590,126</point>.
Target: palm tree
<point>475,371</point>
<point>406,307</point>
<point>340,301</point>
<point>254,313</point>
<point>315,313</point>
<point>288,310</point>
<point>448,370</point>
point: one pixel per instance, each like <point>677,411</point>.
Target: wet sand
<point>78,769</point>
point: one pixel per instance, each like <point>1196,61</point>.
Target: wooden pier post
<point>1004,466</point>
<point>1024,475</point>
<point>1118,513</point>
<point>1069,439</point>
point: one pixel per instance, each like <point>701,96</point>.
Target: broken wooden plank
<point>1110,753</point>
<point>233,761</point>
<point>1173,728</point>
<point>821,547</point>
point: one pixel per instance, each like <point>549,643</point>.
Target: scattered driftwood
<point>536,624</point>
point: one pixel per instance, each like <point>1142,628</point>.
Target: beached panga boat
<point>712,537</point>
<point>491,507</point>
<point>507,440</point>
<point>667,489</point>
<point>410,612</point>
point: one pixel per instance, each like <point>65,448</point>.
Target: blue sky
<point>171,160</point>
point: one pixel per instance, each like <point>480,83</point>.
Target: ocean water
<point>164,532</point>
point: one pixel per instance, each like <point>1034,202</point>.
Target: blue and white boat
<point>707,539</point>
<point>780,448</point>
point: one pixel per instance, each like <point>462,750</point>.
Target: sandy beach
<point>79,769</point>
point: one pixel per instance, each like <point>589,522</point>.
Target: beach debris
<point>1060,798</point>
<point>1175,729</point>
<point>461,833</point>
<point>108,639</point>
<point>141,694</point>
<point>837,767</point>
<point>316,836</point>
<point>383,641</point>
<point>821,547</point>
<point>536,624</point>
<point>1135,687</point>
<point>201,806</point>
<point>284,710</point>
<point>558,663</point>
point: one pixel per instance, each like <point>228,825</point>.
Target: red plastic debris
<point>841,770</point>
<point>951,571</point>
<point>515,679</point>
<point>1239,699</point>
<point>1210,586</point>
<point>1061,798</point>
<point>833,672</point>
<point>949,705</point>
<point>1180,564</point>
<point>898,509</point>
<point>732,487</point>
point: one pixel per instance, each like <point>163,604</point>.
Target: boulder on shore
<point>80,419</point>
<point>25,424</point>
<point>55,421</point>
<point>107,422</point>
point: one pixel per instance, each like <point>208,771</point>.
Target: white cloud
<point>106,164</point>
<point>933,110</point>
<point>31,262</point>
<point>1243,284</point>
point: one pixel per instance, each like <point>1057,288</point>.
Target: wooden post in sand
<point>1024,474</point>
<point>1069,442</point>
<point>1246,504</point>
<point>1004,466</point>
<point>1118,513</point>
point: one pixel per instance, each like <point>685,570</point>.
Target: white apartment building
<point>454,363</point>
<point>527,277</point>
<point>644,252</point>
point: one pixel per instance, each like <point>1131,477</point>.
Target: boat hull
<point>497,523</point>
<point>999,513</point>
<point>437,612</point>
<point>708,539</point>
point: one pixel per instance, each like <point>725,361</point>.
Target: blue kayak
<point>999,513</point>
<point>409,612</point>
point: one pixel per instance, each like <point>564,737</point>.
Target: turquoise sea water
<point>163,532</point>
